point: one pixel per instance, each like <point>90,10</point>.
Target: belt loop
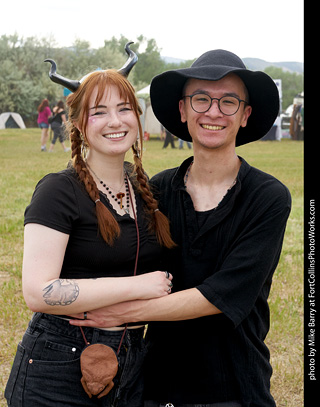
<point>128,337</point>
<point>95,335</point>
<point>34,320</point>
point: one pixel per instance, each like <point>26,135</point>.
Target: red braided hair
<point>78,103</point>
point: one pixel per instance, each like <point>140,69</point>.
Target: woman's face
<point>112,125</point>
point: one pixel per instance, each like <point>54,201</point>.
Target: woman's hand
<point>153,285</point>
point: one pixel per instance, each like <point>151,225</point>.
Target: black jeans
<point>222,404</point>
<point>46,370</point>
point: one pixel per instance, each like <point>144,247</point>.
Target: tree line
<point>24,80</point>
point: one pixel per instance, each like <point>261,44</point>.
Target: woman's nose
<point>114,120</point>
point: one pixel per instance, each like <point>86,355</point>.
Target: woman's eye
<point>125,109</point>
<point>98,113</point>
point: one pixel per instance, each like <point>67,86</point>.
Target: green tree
<point>17,92</point>
<point>24,80</point>
<point>22,84</point>
<point>150,62</point>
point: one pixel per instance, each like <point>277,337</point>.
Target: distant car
<point>286,117</point>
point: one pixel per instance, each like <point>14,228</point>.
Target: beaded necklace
<point>117,197</point>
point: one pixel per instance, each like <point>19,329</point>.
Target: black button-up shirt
<point>230,259</point>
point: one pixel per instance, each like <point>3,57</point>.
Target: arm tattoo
<point>61,292</point>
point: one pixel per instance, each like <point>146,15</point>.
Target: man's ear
<point>246,115</point>
<point>182,110</point>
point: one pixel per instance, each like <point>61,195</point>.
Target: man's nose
<point>214,108</point>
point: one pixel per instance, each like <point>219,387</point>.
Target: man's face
<point>213,129</point>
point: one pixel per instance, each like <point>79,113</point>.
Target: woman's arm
<point>64,119</point>
<point>44,291</point>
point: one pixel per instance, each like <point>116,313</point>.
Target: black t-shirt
<point>57,120</point>
<point>230,257</point>
<point>61,202</point>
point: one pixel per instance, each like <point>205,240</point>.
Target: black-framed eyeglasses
<point>201,103</point>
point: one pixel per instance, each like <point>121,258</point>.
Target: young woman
<point>44,113</point>
<point>57,126</point>
<point>85,230</point>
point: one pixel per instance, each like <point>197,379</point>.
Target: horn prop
<point>55,77</point>
<point>73,85</point>
<point>131,61</point>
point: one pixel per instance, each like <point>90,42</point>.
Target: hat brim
<point>166,91</point>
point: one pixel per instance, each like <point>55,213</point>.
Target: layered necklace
<point>118,196</point>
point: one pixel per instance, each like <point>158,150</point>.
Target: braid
<point>159,222</point>
<point>108,226</point>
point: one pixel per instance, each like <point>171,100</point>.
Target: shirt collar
<point>178,179</point>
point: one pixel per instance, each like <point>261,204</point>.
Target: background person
<point>181,144</point>
<point>44,113</point>
<point>58,126</point>
<point>168,138</point>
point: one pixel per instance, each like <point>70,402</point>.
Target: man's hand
<point>107,317</point>
<point>187,304</point>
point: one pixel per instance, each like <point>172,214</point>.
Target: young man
<point>228,220</point>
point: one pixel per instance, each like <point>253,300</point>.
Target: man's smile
<point>211,127</point>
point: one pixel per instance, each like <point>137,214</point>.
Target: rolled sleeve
<point>246,271</point>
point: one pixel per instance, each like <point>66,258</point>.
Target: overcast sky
<point>268,29</point>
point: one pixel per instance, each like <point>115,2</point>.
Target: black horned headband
<point>73,85</point>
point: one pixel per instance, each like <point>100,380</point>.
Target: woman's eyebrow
<point>105,107</point>
<point>98,107</point>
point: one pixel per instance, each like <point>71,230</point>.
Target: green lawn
<point>22,165</point>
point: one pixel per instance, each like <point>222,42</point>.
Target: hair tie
<point>97,200</point>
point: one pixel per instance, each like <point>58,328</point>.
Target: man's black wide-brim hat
<point>166,91</point>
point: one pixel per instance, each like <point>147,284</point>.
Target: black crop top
<point>61,202</point>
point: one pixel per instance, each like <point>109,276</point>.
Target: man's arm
<point>187,304</point>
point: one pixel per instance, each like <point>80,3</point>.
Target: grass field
<point>22,165</point>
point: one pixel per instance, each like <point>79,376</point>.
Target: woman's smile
<point>114,136</point>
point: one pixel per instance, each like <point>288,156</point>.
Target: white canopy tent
<point>144,91</point>
<point>11,120</point>
<point>151,124</point>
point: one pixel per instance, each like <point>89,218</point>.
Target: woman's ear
<point>76,125</point>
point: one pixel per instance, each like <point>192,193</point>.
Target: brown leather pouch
<point>99,366</point>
